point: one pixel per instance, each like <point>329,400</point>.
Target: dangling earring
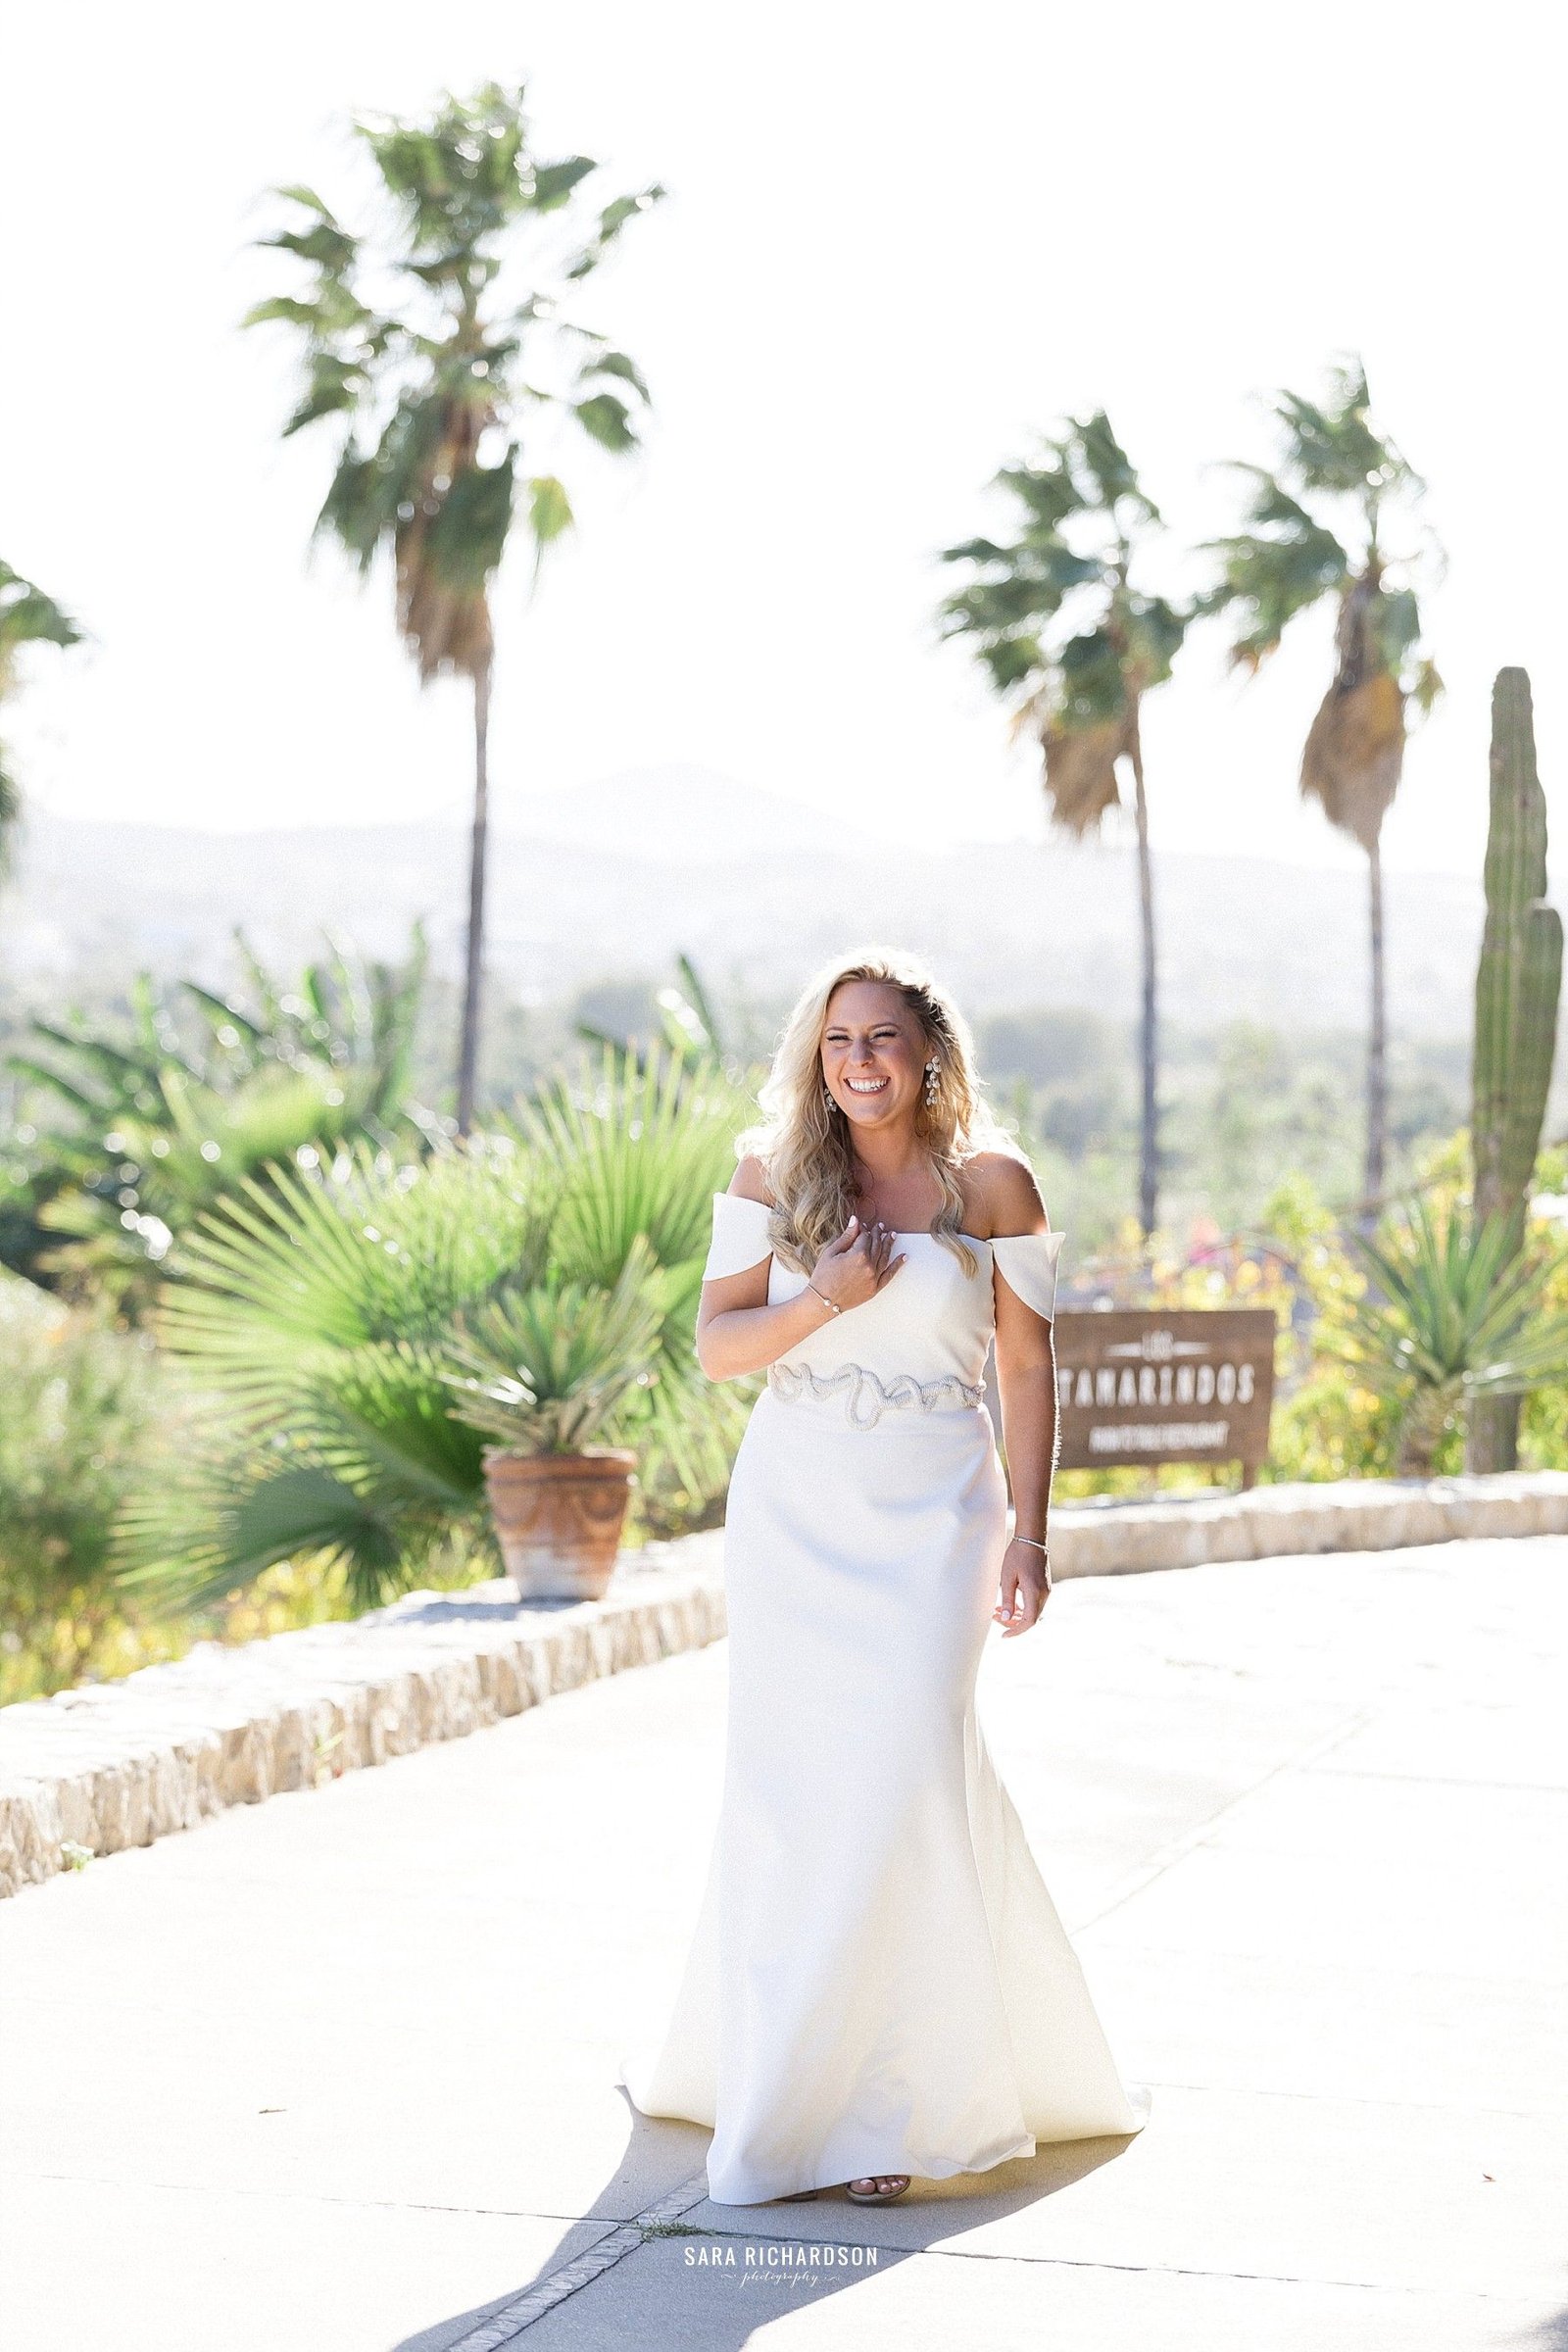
<point>932,1082</point>
<point>827,1098</point>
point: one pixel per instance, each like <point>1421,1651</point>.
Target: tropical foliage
<point>333,1318</point>
<point>689,1025</point>
<point>1063,632</point>
<point>151,1128</point>
<point>440,342</point>
<point>1459,1319</point>
<point>1335,521</point>
<point>86,1412</point>
<point>545,1365</point>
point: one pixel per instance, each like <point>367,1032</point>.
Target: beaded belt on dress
<point>866,1398</point>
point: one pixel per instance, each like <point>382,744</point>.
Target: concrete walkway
<point>332,2073</point>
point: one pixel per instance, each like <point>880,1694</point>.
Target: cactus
<point>1517,985</point>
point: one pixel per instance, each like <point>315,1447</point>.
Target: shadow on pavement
<point>704,2275</point>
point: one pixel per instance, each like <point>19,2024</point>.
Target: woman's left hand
<point>1024,1588</point>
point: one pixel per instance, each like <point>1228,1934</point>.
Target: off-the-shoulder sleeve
<point>740,1235</point>
<point>1028,1260</point>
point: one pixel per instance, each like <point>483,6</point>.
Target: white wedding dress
<point>878,1980</point>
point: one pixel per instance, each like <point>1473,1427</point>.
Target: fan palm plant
<point>1459,1321</point>
<point>546,1366</point>
<point>643,1150</point>
<point>311,1316</point>
<point>28,616</point>
<point>441,380</point>
<point>544,1369</point>
<point>324,1313</point>
<point>1063,631</point>
<point>1315,532</point>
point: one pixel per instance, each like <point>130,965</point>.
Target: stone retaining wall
<point>1110,1538</point>
<point>110,1765</point>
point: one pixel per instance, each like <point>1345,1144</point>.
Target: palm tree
<point>1056,620</point>
<point>26,617</point>
<point>1313,529</point>
<point>440,380</point>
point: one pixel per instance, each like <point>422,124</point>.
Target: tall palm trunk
<point>1377,1074</point>
<point>1148,1128</point>
<point>468,1051</point>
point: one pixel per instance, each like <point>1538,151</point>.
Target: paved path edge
<point>110,1765</point>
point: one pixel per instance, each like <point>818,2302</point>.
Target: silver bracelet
<point>1036,1542</point>
<point>827,1300</point>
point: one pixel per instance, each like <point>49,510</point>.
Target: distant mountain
<point>672,815</point>
<point>616,879</point>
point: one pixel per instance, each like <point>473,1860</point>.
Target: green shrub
<point>86,1412</point>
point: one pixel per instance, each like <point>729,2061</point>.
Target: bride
<point>879,1987</point>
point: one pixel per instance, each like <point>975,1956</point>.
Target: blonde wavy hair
<point>804,1146</point>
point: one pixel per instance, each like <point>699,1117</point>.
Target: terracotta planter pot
<point>557,1518</point>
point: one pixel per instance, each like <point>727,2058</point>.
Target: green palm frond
<point>634,1151</point>
<point>641,1149</point>
<point>185,1547</point>
<point>431,380</point>
<point>1110,482</point>
<point>687,1016</point>
<point>210,1090</point>
<point>547,1367</point>
<point>1311,532</point>
<point>119,1074</point>
<point>377,1415</point>
<point>221,1016</point>
<point>357,1255</point>
<point>284,1269</point>
<point>28,617</point>
<point>684,1426</point>
<point>1054,617</point>
<point>1280,565</point>
<point>1332,447</point>
<point>373,1323</point>
<point>1048,494</point>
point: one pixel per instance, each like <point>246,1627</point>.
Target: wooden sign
<point>1134,1384</point>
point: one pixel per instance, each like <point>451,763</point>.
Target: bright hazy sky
<point>899,239</point>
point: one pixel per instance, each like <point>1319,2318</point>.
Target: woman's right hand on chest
<point>857,1265</point>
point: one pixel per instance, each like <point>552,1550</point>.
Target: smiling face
<point>874,1053</point>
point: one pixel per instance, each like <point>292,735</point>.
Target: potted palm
<point>547,1368</point>
<point>317,1311</point>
